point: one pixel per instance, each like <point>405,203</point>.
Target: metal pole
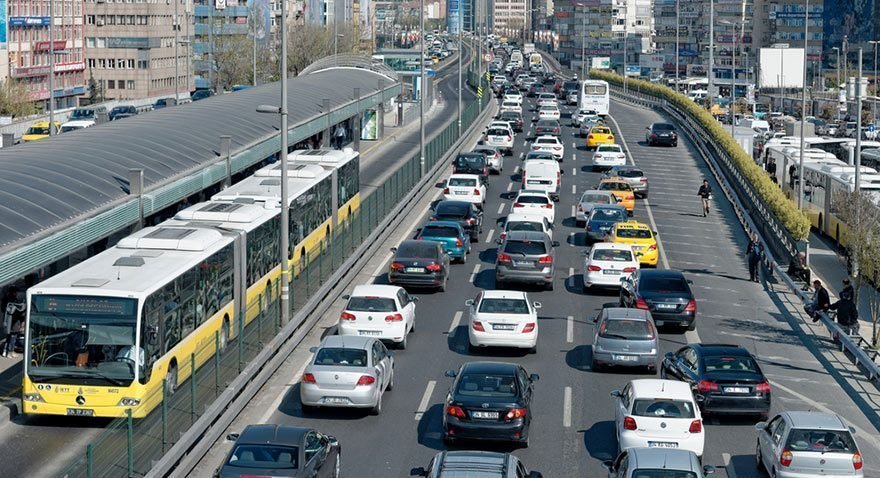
<point>176,52</point>
<point>211,44</point>
<point>460,53</point>
<point>733,87</point>
<point>677,27</point>
<point>876,84</point>
<point>422,87</point>
<point>845,57</point>
<point>711,73</point>
<point>625,28</point>
<point>584,42</point>
<point>52,68</point>
<point>285,206</point>
<point>858,155</point>
<point>188,43</point>
<point>800,192</point>
<point>255,54</point>
<point>838,82</point>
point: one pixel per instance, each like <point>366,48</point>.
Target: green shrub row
<point>795,221</point>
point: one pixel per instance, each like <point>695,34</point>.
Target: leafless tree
<point>14,99</point>
<point>307,43</point>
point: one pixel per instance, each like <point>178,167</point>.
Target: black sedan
<point>462,212</point>
<point>419,264</point>
<point>536,88</point>
<point>665,293</point>
<point>726,379</point>
<point>514,118</point>
<point>548,127</point>
<point>661,133</point>
<point>489,401</point>
<point>472,163</point>
<point>279,450</point>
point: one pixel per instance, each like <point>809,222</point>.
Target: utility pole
<point>800,192</point>
<point>859,95</point>
<point>876,84</point>
<point>584,41</point>
<point>733,87</point>
<point>460,53</point>
<point>422,87</point>
<point>677,27</point>
<point>211,44</point>
<point>51,68</point>
<point>711,68</point>
<point>285,204</point>
<point>837,49</point>
<point>187,13</point>
<point>176,52</point>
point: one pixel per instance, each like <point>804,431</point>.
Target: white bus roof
<point>225,215</point>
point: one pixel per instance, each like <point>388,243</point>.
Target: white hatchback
<point>549,144</point>
<point>386,312</point>
<point>501,138</point>
<point>606,263</point>
<point>465,187</point>
<point>550,112</point>
<point>526,221</point>
<point>652,413</point>
<point>582,115</point>
<point>608,155</point>
<point>503,318</point>
<point>547,99</point>
<point>517,97</point>
<point>535,202</point>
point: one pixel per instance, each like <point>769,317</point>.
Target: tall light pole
<point>176,52</point>
<point>187,12</point>
<point>584,41</point>
<point>800,194</point>
<point>733,76</point>
<point>711,73</point>
<point>51,68</point>
<point>460,53</point>
<point>677,28</point>
<point>876,83</point>
<point>211,45</point>
<point>285,206</point>
<point>625,32</point>
<point>859,95</point>
<point>837,49</point>
<point>422,87</point>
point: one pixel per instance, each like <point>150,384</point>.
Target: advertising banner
<point>259,18</point>
<point>2,24</point>
<point>370,122</point>
<point>600,62</point>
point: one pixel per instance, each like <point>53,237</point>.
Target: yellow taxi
<point>39,130</point>
<point>640,237</point>
<point>622,190</point>
<point>599,135</point>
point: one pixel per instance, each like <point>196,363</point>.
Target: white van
<point>76,125</point>
<point>756,125</point>
<point>543,175</point>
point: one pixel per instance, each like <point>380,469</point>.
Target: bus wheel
<point>171,379</point>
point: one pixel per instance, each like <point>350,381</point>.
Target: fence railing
<point>128,447</point>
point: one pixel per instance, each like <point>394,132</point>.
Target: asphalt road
<point>572,430</point>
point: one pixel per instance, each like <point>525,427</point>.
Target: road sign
<point>430,72</point>
<point>487,57</point>
<point>870,127</point>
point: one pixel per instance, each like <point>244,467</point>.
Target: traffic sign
<point>430,72</point>
<point>870,127</point>
<point>487,57</point>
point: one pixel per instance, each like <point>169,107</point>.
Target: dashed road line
<point>501,208</point>
<point>456,319</point>
<point>569,329</point>
<point>509,186</point>
<point>489,236</point>
<point>426,398</point>
<point>566,408</point>
<point>574,189</point>
<point>475,272</point>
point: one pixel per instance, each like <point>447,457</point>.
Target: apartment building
<point>512,17</point>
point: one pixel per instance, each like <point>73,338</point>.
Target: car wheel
<point>595,366</point>
<point>463,259</point>
<point>675,144</point>
<point>377,409</point>
<point>663,373</point>
<point>402,344</point>
<point>391,382</point>
<point>692,325</point>
<point>525,443</point>
<point>652,369</point>
<point>448,440</point>
<point>759,460</point>
<point>548,286</point>
<point>442,287</point>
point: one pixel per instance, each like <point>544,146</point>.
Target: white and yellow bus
<point>103,336</point>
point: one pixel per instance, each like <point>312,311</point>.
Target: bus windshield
<point>595,89</point>
<point>82,340</point>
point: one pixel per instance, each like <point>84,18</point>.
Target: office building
<point>232,19</point>
<point>512,18</point>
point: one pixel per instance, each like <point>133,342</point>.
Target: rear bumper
<point>515,430</point>
<point>498,339</point>
<point>730,405</point>
<point>678,319</point>
<point>313,395</point>
<point>614,358</point>
<point>526,277</point>
<point>600,279</point>
<point>630,439</point>
<point>424,280</point>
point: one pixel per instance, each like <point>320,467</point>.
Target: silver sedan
<point>348,372</point>
<point>624,337</point>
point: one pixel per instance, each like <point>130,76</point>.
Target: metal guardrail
<point>857,348</point>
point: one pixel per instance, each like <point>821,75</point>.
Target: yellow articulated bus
<point>103,336</point>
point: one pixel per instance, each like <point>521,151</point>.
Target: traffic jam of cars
<point>659,409</point>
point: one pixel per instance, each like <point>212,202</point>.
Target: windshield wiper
<point>615,336</point>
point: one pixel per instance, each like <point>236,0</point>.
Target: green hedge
<point>795,221</point>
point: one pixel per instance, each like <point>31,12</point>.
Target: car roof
<point>347,341</point>
<point>660,273</point>
<point>454,203</point>
<point>526,236</point>
<point>504,294</point>
<point>665,458</point>
<point>611,246</point>
<point>633,225</point>
<point>626,313</point>
<point>473,464</point>
<point>489,367</point>
<point>375,290</point>
<point>526,215</point>
<point>810,419</point>
<point>659,388</point>
<point>721,349</point>
<point>596,191</point>
<point>272,433</point>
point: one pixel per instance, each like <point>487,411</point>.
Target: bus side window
<point>171,314</point>
<point>149,340</point>
<point>188,302</point>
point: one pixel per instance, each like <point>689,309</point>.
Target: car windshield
<point>439,231</point>
<point>524,226</point>
<point>613,255</point>
<point>629,173</point>
<point>631,233</point>
<point>38,130</point>
<point>510,116</point>
<point>652,473</point>
<point>82,114</point>
<point>626,329</point>
<point>487,385</point>
<point>614,186</point>
<point>663,127</point>
<point>805,440</point>
<point>601,214</point>
<point>371,304</point>
<point>532,200</point>
<point>340,356</point>
<point>528,248</point>
<point>462,182</point>
<point>504,306</point>
<point>727,363</point>
<point>664,284</point>
<point>417,249</point>
<point>596,198</point>
<point>663,408</point>
<point>264,456</point>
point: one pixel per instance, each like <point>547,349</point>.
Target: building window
<point>121,84</point>
<point>90,19</point>
<point>111,63</point>
<point>130,84</point>
<point>102,63</point>
<point>143,65</point>
<point>129,64</point>
<point>91,63</point>
<point>111,84</point>
<point>100,42</point>
<point>90,42</point>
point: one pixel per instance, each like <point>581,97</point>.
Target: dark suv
<point>472,163</point>
<point>489,464</point>
<point>665,293</point>
<point>514,118</point>
<point>466,214</point>
<point>526,257</point>
<point>661,133</point>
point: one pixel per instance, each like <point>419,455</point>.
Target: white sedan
<point>465,187</point>
<point>503,318</point>
<point>534,201</point>
<point>518,97</point>
<point>386,312</point>
<point>547,99</point>
<point>550,112</point>
<point>549,144</point>
<point>606,263</point>
<point>608,155</point>
<point>582,115</point>
<point>526,221</point>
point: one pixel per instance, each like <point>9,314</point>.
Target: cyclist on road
<point>705,194</point>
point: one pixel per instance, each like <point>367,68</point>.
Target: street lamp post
<point>837,85</point>
<point>422,87</point>
<point>800,195</point>
<point>710,72</point>
<point>876,83</point>
<point>51,68</point>
<point>584,41</point>
<point>176,52</point>
<point>677,27</point>
<point>460,53</point>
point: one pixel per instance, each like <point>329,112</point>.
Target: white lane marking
<point>574,171</point>
<point>525,143</point>
<point>693,337</point>
<point>571,276</point>
<point>566,408</point>
<point>277,402</point>
<point>573,146</point>
<point>572,210</point>
<point>423,405</point>
<point>728,467</point>
<point>475,272</point>
<point>500,208</point>
<point>571,239</point>
<point>574,189</point>
<point>647,204</point>
<point>382,265</point>
<point>456,319</point>
<point>489,236</point>
<point>516,170</point>
<point>569,329</point>
<point>509,187</point>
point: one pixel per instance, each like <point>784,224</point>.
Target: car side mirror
<point>708,470</point>
<point>232,436</point>
<point>655,232</point>
<point>394,250</point>
<point>469,302</point>
<point>419,471</point>
<point>414,299</point>
<point>852,430</point>
<point>313,349</point>
<point>699,397</point>
<point>451,373</point>
<point>534,377</point>
<point>537,305</point>
<point>615,393</point>
<point>555,244</point>
<point>690,281</point>
<point>760,426</point>
<point>346,297</point>
<point>587,253</point>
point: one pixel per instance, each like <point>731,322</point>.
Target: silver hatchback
<point>808,444</point>
<point>624,337</point>
<point>526,257</point>
<point>634,176</point>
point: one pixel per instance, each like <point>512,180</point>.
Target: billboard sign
<point>600,62</point>
<point>781,67</point>
<point>453,20</point>
<point>259,19</point>
<point>2,24</point>
<point>28,21</point>
<point>633,70</point>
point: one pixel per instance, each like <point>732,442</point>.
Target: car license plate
<point>659,323</point>
<point>604,228</point>
<point>336,400</point>
<point>460,193</point>
<point>504,326</point>
<point>485,415</point>
<point>522,263</point>
<point>736,389</point>
<point>611,272</point>
<point>80,412</point>
<point>662,444</point>
<point>624,358</point>
<point>666,306</point>
<point>414,269</point>
<point>370,332</point>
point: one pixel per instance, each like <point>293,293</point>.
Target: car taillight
<point>346,316</point>
<point>396,266</point>
<point>652,247</point>
<point>486,138</point>
<point>535,147</point>
<point>590,137</point>
<point>515,413</point>
<point>455,411</point>
<point>366,380</point>
<point>763,387</point>
<point>611,137</point>
<point>458,242</point>
<point>555,130</point>
<point>597,156</point>
<point>643,180</point>
<point>857,461</point>
<point>509,138</point>
<point>629,269</point>
<point>629,423</point>
<point>785,458</point>
<point>548,206</point>
<point>478,326</point>
<point>545,260</point>
<point>445,190</point>
<point>691,307</point>
<point>629,197</point>
<point>503,258</point>
<point>557,148</point>
<point>486,170</point>
<point>641,304</point>
<point>433,267</point>
<point>394,318</point>
<point>308,378</point>
<point>594,268</point>
<point>696,426</point>
<point>476,192</point>
<point>530,327</point>
<point>706,386</point>
<point>652,331</point>
<point>589,227</point>
<point>518,204</point>
<point>580,208</point>
<point>653,135</point>
<point>502,235</point>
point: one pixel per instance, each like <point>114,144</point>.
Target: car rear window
<point>338,356</point>
<point>264,456</point>
<point>487,385</point>
<point>524,226</point>
<point>528,248</point>
<point>821,441</point>
<point>504,306</point>
<point>614,186</point>
<point>662,408</point>
<point>439,231</point>
<point>651,473</point>
<point>626,329</point>
<point>462,182</point>
<point>498,132</point>
<point>596,198</point>
<point>470,161</point>
<point>728,363</point>
<point>664,284</point>
<point>525,199</point>
<point>599,214</point>
<point>629,173</point>
<point>633,233</point>
<point>608,148</point>
<point>612,255</point>
<point>371,304</point>
<point>452,208</point>
<point>417,249</point>
<point>663,127</point>
<point>548,108</point>
<point>548,141</point>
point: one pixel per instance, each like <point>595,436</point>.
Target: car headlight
<point>129,402</point>
<point>33,397</point>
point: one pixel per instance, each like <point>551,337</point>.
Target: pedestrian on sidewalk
<point>338,136</point>
<point>847,314</point>
<point>771,169</point>
<point>798,270</point>
<point>13,320</point>
<point>754,252</point>
<point>847,292</point>
<point>821,301</point>
<point>705,193</point>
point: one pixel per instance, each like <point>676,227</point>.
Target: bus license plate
<point>80,412</point>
